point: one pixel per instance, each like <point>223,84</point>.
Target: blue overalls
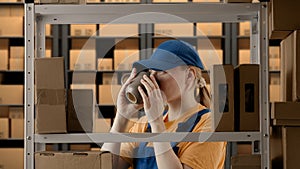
<point>147,158</point>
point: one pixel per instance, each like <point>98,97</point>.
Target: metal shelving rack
<point>36,16</point>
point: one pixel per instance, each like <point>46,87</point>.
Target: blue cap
<point>170,54</point>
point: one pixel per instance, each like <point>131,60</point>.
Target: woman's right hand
<point>124,107</point>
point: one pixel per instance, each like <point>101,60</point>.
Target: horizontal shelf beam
<point>146,13</point>
<point>147,137</point>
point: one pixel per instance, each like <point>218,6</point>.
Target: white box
<point>123,59</point>
<point>105,64</point>
<point>108,94</point>
<point>17,52</point>
<point>177,30</point>
<point>211,57</point>
<point>245,28</point>
<point>209,29</point>
<point>244,56</point>
<point>119,30</point>
<point>102,125</point>
<point>83,30</point>
<point>82,59</point>
<point>3,59</point>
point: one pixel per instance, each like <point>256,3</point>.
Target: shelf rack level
<point>39,15</point>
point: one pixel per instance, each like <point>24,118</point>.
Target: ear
<point>191,75</point>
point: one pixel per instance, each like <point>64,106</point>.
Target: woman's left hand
<point>153,100</point>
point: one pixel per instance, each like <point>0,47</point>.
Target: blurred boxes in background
<point>17,128</point>
<point>67,160</point>
<point>244,148</point>
<point>109,78</point>
<point>11,94</point>
<point>102,125</point>
<point>246,103</point>
<point>206,1</point>
<point>12,158</point>
<point>82,59</point>
<point>285,113</point>
<point>245,28</point>
<point>174,30</point>
<point>238,1</point>
<point>4,128</point>
<point>16,51</point>
<point>80,147</point>
<point>50,95</point>
<point>4,111</point>
<point>124,58</point>
<point>211,57</point>
<point>105,64</point>
<point>282,16</point>
<point>274,87</point>
<point>108,94</point>
<point>16,112</point>
<point>244,56</point>
<point>158,1</point>
<point>11,26</point>
<point>48,30</point>
<point>290,142</point>
<point>209,29</point>
<point>85,87</point>
<point>222,97</point>
<point>16,64</point>
<point>122,1</point>
<point>3,59</point>
<point>81,108</point>
<point>118,30</point>
<point>246,162</point>
<point>83,30</point>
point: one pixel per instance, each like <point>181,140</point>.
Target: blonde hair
<point>202,94</point>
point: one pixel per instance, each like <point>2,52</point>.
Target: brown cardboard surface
<point>16,11</point>
<point>4,111</point>
<point>245,162</point>
<point>16,64</point>
<point>244,149</point>
<point>70,160</point>
<point>11,26</point>
<point>82,59</point>
<point>16,112</point>
<point>179,29</point>
<point>105,64</point>
<point>109,78</point>
<point>283,122</point>
<point>285,110</point>
<point>274,92</point>
<point>50,96</point>
<point>80,110</point>
<point>83,30</point>
<point>16,51</point>
<point>280,18</point>
<point>49,73</point>
<point>11,94</point>
<point>3,59</point>
<point>51,119</point>
<point>223,97</point>
<point>247,97</point>
<point>296,66</point>
<point>80,147</point>
<point>12,158</point>
<point>209,29</point>
<point>102,125</point>
<point>118,30</point>
<point>238,1</point>
<point>276,154</point>
<point>17,128</point>
<point>108,94</point>
<point>126,44</point>
<point>123,59</point>
<point>291,138</point>
<point>4,10</point>
<point>4,128</point>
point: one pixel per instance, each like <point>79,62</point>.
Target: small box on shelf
<point>170,1</point>
<point>12,158</point>
<point>11,94</point>
<point>105,64</point>
<point>83,30</point>
<point>211,56</point>
<point>82,59</point>
<point>17,128</point>
<point>4,128</point>
<point>4,111</point>
<point>178,29</point>
<point>246,161</point>
<point>209,29</point>
<point>123,59</point>
<point>244,56</point>
<point>3,59</point>
<point>16,112</point>
<point>11,26</point>
<point>16,64</point>
<point>118,30</point>
<point>108,94</point>
<point>109,78</point>
<point>16,51</point>
<point>245,28</point>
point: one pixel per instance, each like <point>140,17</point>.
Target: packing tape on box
<point>51,96</point>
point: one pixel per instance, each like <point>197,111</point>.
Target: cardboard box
<point>238,1</point>
<point>158,1</point>
<point>121,43</point>
<point>50,119</point>
<point>274,92</point>
<point>245,28</point>
<point>105,64</point>
<point>291,137</point>
<point>16,112</point>
<point>206,1</point>
<point>17,10</point>
<point>276,154</point>
<point>119,30</point>
<point>209,29</point>
<point>211,57</point>
<point>109,78</point>
<point>48,53</point>
<point>4,128</point>
<point>281,14</point>
<point>49,73</point>
<point>48,30</point>
<point>246,162</point>
<point>11,94</point>
<point>67,160</point>
<point>4,11</point>
<point>296,66</point>
<point>82,59</point>
<point>3,59</point>
<point>222,97</point>
<point>274,52</point>
<point>81,108</point>
<point>83,30</point>
<point>85,87</point>
<point>12,158</point>
<point>17,128</point>
<point>246,97</point>
<point>80,147</point>
<point>285,110</point>
<point>274,64</point>
<point>102,125</point>
<point>244,56</point>
<point>179,29</point>
<point>17,51</point>
<point>11,26</point>
<point>50,95</point>
<point>123,59</point>
<point>108,94</point>
<point>4,111</point>
<point>244,149</point>
<point>16,64</point>
<point>286,69</point>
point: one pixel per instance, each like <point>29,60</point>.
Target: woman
<point>175,77</point>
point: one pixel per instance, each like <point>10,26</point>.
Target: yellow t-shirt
<point>197,155</point>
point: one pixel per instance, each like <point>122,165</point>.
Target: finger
<point>154,81</point>
<point>149,81</point>
<point>144,96</point>
<point>146,85</point>
<point>130,78</point>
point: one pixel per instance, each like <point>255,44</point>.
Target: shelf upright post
<point>264,86</point>
<point>29,85</point>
